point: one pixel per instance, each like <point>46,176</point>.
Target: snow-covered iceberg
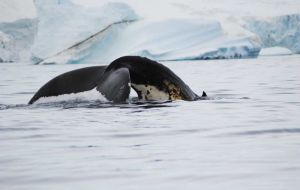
<point>184,39</point>
<point>115,30</point>
<point>63,24</point>
<point>172,39</point>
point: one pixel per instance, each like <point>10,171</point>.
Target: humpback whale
<point>150,79</point>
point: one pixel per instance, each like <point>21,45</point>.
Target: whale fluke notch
<point>115,86</point>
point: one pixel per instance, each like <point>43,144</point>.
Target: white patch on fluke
<point>149,92</point>
<point>81,96</point>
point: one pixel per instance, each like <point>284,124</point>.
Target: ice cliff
<point>282,31</point>
<point>16,39</point>
<point>18,26</point>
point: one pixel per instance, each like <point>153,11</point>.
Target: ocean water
<point>246,136</point>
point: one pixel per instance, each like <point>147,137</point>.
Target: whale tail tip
<point>202,97</point>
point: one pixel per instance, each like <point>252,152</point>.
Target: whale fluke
<point>150,79</point>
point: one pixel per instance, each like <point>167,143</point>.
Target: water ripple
<point>270,131</point>
<point>9,129</point>
<point>91,105</point>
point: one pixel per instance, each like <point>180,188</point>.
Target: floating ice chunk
<point>275,51</point>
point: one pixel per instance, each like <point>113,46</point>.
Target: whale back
<point>116,86</point>
<point>152,80</point>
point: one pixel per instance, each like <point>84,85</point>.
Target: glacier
<point>66,31</point>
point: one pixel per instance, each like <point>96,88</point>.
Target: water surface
<point>247,136</point>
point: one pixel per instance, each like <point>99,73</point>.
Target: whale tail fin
<point>202,97</point>
<point>71,82</point>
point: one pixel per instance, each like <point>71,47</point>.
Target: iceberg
<point>172,39</point>
<point>101,36</point>
<point>16,38</point>
<point>6,47</point>
<point>63,24</point>
<point>61,31</point>
<point>17,29</point>
<point>282,31</point>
